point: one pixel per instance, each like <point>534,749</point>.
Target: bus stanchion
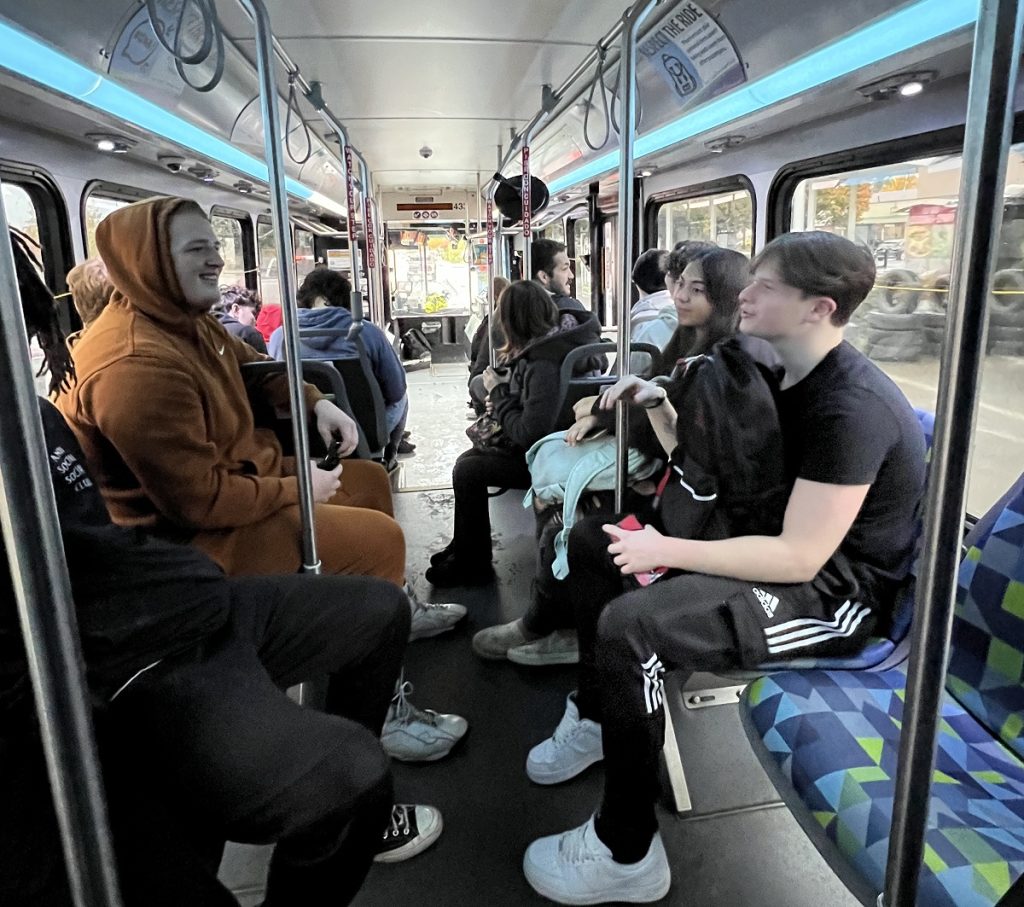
<point>986,143</point>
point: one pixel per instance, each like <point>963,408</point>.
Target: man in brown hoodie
<point>162,414</point>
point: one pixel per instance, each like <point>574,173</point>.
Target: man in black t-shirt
<point>855,459</point>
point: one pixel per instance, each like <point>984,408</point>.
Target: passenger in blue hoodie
<point>325,300</point>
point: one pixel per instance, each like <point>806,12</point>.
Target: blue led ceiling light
<point>893,34</point>
<point>33,60</point>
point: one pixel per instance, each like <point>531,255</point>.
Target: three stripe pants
<point>687,622</point>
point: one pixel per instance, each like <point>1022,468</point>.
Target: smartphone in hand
<point>333,457</point>
<point>632,524</point>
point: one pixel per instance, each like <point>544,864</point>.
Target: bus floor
<point>737,846</point>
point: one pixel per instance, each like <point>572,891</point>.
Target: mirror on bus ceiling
<point>509,200</point>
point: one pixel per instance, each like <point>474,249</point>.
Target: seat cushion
<point>834,737</point>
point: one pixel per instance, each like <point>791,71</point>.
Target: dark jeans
<point>629,636</point>
<point>474,472</point>
<point>207,748</point>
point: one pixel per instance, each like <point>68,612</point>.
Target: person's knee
<point>619,627</point>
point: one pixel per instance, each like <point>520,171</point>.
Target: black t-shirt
<point>846,423</point>
<point>137,599</point>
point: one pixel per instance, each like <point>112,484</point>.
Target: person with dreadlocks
<point>41,312</point>
<point>198,741</point>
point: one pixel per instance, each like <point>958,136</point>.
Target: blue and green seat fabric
<point>830,739</point>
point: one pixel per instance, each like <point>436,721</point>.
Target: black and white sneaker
<point>413,828</point>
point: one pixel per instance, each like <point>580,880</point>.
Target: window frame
<point>53,219</point>
<point>248,241</point>
<point>115,192</point>
<point>738,182</point>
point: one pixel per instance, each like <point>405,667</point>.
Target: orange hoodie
<point>160,408</point>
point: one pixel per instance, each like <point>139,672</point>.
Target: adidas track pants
<point>687,622</point>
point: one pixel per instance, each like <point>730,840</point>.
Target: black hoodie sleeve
<point>528,416</point>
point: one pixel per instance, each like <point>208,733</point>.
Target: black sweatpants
<point>683,621</point>
<point>474,472</point>
<point>207,748</point>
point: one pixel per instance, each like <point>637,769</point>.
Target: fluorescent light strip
<point>901,31</point>
<point>38,62</point>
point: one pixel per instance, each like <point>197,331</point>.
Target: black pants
<point>685,621</point>
<point>474,472</point>
<point>207,748</point>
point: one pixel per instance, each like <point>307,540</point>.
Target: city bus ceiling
<point>454,77</point>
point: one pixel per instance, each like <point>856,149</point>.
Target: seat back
<point>325,378</point>
<point>573,386</point>
<point>365,397</point>
<point>986,667</point>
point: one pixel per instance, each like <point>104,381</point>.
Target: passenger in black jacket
<point>186,671</point>
<point>552,269</point>
<point>523,399</point>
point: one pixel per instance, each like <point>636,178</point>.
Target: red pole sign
<point>490,240</point>
<point>371,238</point>
<point>526,191</point>
<point>350,188</point>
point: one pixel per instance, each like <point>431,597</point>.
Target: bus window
<point>555,230</point>
<point>905,213</point>
<point>726,218</point>
<point>431,268</point>
<point>98,207</point>
<point>305,259</point>
<point>228,231</point>
<point>267,256</point>
<point>22,215</point>
<point>581,261</point>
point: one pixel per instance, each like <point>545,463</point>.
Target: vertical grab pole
<point>370,232</point>
<point>527,211</point>
<point>353,244</point>
<point>997,47</point>
<point>272,133</point>
<point>49,628</point>
<point>491,301</point>
<point>627,92</point>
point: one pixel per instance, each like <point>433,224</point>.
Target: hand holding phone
<point>333,457</point>
<point>646,577</point>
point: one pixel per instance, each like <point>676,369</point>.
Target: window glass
<point>581,263</point>
<point>22,215</point>
<point>905,213</point>
<point>98,207</point>
<point>305,260</point>
<point>228,231</point>
<point>431,269</point>
<point>270,290</point>
<point>610,249</point>
<point>555,230</point>
<point>726,218</point>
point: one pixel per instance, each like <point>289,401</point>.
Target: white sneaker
<point>411,831</point>
<point>575,746</point>
<point>494,643</point>
<point>418,735</point>
<point>431,618</point>
<point>576,867</point>
<point>559,648</point>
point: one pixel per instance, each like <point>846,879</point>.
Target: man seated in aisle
<point>325,303</point>
<point>163,416</point>
<point>198,741</point>
<point>854,461</point>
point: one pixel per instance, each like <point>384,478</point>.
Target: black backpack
<point>726,477</point>
<point>414,344</point>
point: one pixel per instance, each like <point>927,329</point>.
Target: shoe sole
<point>536,661</point>
<point>410,850</point>
<point>563,775</point>
<point>633,896</point>
<point>428,634</point>
<point>489,656</point>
